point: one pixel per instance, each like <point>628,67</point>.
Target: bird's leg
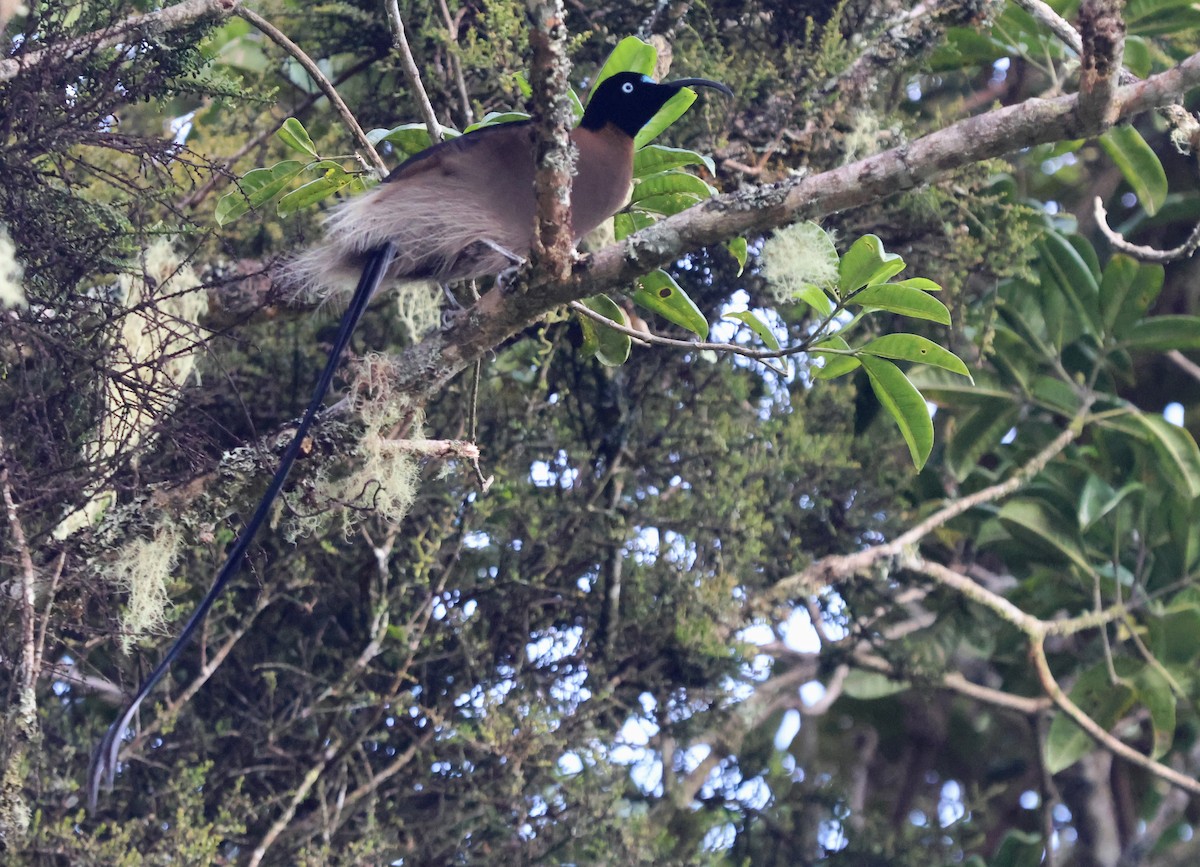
<point>503,277</point>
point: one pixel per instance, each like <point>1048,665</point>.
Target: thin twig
<point>460,80</point>
<point>1037,652</point>
<point>649,337</point>
<point>412,73</point>
<point>279,38</point>
<point>1140,252</point>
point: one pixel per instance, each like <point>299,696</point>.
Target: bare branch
<point>1140,252</point>
<point>412,72</point>
<point>279,38</point>
<point>1037,652</point>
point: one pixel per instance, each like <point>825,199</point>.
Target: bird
<point>461,209</point>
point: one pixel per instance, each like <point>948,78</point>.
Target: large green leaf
<point>408,138</point>
<point>904,300</point>
<point>294,135</point>
<point>630,55</point>
<point>1139,165</point>
<point>659,158</point>
<point>669,183</point>
<point>1033,521</point>
<point>314,191</point>
<point>1163,333</point>
<point>667,115</point>
<point>659,292</point>
<point>913,347</point>
<point>257,188</point>
<point>905,405</point>
<point>1074,278</point>
<point>978,432</point>
<point>867,262</point>
<point>610,347</point>
<point>1175,449</point>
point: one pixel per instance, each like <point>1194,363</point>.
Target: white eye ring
<point>627,87</point>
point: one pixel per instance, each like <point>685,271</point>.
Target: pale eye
<point>627,87</point>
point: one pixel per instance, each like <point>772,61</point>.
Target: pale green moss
<point>142,568</point>
<point>797,256</point>
<point>153,354</point>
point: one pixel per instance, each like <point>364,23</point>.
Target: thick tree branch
<point>160,21</point>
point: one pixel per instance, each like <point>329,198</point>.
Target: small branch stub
<point>1103,36</point>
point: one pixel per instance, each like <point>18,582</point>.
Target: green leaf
<point>905,405</point>
<point>671,203</point>
<point>1018,849</point>
<point>659,292</point>
<point>912,347</point>
<point>1163,333</point>
<point>868,685</point>
<point>670,183</point>
<point>1138,164</point>
<point>1034,522</point>
<point>978,432</point>
<point>1115,284</point>
<point>865,263</point>
<point>816,298</point>
<point>408,138</point>
<point>659,158</point>
<point>1154,693</point>
<point>667,115</point>
<point>903,300</point>
<point>610,347</point>
<point>258,187</point>
<point>940,384</point>
<point>739,251</point>
<point>1177,451</point>
<point>836,364</point>
<point>492,118</point>
<point>756,325</point>
<point>312,192</point>
<point>630,55</point>
<point>1074,279</point>
<point>294,135</point>
<point>1101,699</point>
<point>1098,498</point>
<point>628,222</point>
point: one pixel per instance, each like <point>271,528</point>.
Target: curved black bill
<point>701,82</point>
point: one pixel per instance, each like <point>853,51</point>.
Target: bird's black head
<point>628,100</point>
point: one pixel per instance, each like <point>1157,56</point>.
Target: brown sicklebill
<point>462,209</point>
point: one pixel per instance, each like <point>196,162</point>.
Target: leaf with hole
<point>913,347</point>
<point>658,291</point>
